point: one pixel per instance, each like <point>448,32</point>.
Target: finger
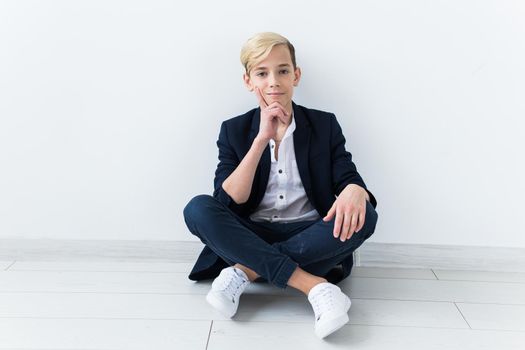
<point>262,101</point>
<point>273,113</point>
<point>346,226</point>
<point>362,215</point>
<point>278,110</point>
<point>280,106</point>
<point>353,225</point>
<point>260,97</point>
<point>330,213</point>
<point>355,216</point>
<point>338,221</point>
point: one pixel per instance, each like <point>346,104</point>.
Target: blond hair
<point>258,47</point>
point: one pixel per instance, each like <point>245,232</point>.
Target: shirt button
<point>272,146</point>
<point>281,197</point>
<point>280,171</point>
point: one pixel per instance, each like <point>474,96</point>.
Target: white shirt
<point>285,199</point>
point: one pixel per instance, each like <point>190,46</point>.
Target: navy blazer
<point>325,167</point>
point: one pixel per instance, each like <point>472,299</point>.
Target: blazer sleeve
<point>344,171</point>
<point>228,162</point>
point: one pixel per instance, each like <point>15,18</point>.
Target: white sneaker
<point>330,308</point>
<point>226,290</point>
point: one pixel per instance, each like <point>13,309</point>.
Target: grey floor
<point>79,301</point>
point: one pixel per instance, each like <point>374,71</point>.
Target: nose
<point>273,81</point>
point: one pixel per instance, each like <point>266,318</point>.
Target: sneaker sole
<point>219,305</point>
<point>334,324</point>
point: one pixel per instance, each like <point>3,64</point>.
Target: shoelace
<point>232,285</point>
<point>323,301</point>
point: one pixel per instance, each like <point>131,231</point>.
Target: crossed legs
<point>297,262</point>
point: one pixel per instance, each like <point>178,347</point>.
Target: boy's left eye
<point>284,71</point>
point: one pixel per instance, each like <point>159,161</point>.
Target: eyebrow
<point>281,65</point>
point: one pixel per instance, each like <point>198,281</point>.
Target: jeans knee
<point>371,217</point>
<point>196,206</point>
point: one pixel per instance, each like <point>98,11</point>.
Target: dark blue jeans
<point>272,250</point>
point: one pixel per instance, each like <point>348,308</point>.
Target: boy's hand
<point>270,117</point>
<point>349,209</point>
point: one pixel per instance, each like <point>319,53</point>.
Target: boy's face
<point>275,77</point>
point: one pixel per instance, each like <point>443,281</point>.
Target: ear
<point>247,82</point>
<point>297,76</point>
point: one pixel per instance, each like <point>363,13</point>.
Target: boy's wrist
<point>261,141</point>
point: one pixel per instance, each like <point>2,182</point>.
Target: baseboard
<point>98,250</point>
<point>446,257</point>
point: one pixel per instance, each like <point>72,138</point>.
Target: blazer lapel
<point>262,173</point>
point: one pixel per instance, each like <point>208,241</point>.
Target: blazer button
<point>281,197</point>
<point>280,171</point>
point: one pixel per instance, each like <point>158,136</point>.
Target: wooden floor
<point>105,304</point>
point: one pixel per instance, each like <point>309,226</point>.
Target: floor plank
<point>362,311</point>
<point>428,290</point>
<point>31,333</point>
<point>4,264</point>
<point>178,283</point>
<point>285,336</point>
<point>117,282</point>
<point>383,272</point>
<point>266,308</point>
<point>98,266</point>
<point>486,276</point>
<point>493,316</point>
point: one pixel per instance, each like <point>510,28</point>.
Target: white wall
<point>109,110</point>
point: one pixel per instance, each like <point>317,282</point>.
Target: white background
<point>110,110</point>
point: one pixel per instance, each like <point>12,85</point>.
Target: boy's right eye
<point>260,74</point>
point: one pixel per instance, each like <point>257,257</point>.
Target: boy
<point>281,166</point>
